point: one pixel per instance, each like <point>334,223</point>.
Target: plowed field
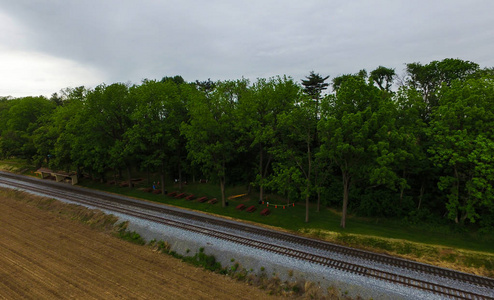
<point>43,256</point>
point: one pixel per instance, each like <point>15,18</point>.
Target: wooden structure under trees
<point>59,176</point>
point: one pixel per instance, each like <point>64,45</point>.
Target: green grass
<point>293,218</point>
<point>16,165</point>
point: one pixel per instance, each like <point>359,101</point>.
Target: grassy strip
<point>480,263</point>
<point>292,218</point>
<point>96,219</point>
<point>16,166</point>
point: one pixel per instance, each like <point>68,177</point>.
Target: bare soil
<point>46,256</point>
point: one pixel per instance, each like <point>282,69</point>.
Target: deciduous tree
<point>462,131</point>
<point>383,77</point>
<point>355,132</point>
<point>259,115</point>
<point>211,133</point>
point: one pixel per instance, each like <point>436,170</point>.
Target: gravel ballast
<point>287,269</point>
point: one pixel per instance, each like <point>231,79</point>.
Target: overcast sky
<point>48,45</point>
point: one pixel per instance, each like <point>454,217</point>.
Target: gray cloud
<point>132,40</point>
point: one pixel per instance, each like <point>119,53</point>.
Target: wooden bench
<point>213,201</point>
<point>202,199</point>
<point>190,197</point>
<point>172,194</point>
<point>157,192</point>
<point>181,195</point>
<point>251,209</point>
<point>265,212</point>
<point>240,207</point>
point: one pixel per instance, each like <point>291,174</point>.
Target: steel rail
<point>314,243</point>
<point>297,254</point>
<point>438,289</point>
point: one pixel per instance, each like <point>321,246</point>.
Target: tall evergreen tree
<point>314,85</point>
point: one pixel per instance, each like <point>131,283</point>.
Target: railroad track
<point>321,260</point>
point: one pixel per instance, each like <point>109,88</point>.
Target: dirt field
<point>43,256</point>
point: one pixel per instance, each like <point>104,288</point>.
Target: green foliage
<point>295,154</point>
<point>428,79</point>
<point>420,216</point>
<point>155,137</point>
<point>420,153</point>
<point>383,203</point>
<point>463,136</point>
<point>314,85</point>
<point>260,113</point>
<point>130,236</point>
<point>21,118</point>
<point>207,262</point>
<point>359,135</point>
<point>212,131</point>
<point>383,77</point>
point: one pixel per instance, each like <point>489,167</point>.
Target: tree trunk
<point>422,190</point>
<point>402,188</point>
<point>261,164</point>
<point>464,216</point>
<point>162,177</point>
<point>318,200</point>
<point>79,172</point>
<point>346,188</point>
<point>457,194</point>
<point>309,158</point>
<point>179,174</point>
<point>307,203</point>
<point>222,187</point>
<point>316,183</point>
<point>129,175</point>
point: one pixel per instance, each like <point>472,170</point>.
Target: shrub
<point>383,203</point>
<point>130,236</point>
<point>208,262</point>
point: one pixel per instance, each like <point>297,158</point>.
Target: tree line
<point>419,147</point>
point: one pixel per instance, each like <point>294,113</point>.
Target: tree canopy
<point>419,150</point>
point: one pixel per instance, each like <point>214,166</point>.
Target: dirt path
<point>45,257</point>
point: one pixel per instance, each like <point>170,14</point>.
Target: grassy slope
<point>438,245</point>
